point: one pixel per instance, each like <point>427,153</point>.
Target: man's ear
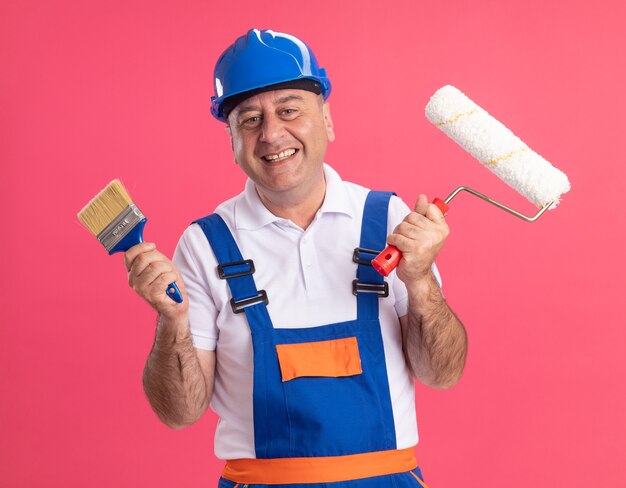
<point>232,143</point>
<point>230,135</point>
<point>328,121</point>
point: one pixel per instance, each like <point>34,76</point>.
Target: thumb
<point>133,252</point>
<point>421,205</point>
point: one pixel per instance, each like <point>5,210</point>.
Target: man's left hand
<point>420,237</point>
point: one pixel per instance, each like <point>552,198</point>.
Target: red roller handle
<point>389,258</point>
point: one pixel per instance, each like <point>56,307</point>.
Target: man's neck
<point>300,209</point>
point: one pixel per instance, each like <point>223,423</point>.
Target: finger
<point>422,231</point>
<point>146,267</point>
<point>397,240</point>
<point>418,220</point>
<point>162,281</point>
<point>421,205</point>
<point>150,273</point>
<point>402,242</point>
<point>434,213</point>
<point>133,252</point>
<point>145,259</point>
<point>411,230</point>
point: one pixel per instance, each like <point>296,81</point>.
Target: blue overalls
<point>320,393</point>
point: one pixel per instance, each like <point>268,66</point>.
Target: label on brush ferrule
<point>120,226</point>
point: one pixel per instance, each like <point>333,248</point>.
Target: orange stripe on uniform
<point>419,480</point>
<point>333,358</point>
<point>325,469</point>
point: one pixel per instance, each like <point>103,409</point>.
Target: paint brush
<point>118,224</point>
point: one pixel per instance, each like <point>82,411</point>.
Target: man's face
<point>279,139</point>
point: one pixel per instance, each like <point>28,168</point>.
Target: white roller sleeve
<point>496,147</point>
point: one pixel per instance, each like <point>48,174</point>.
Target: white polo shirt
<point>307,275</point>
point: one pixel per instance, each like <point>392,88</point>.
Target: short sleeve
<point>397,211</point>
<point>190,257</point>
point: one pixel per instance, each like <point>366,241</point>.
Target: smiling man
<point>279,138</point>
<point>306,354</point>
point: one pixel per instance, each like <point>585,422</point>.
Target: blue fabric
<point>226,251</point>
<point>373,236</point>
<point>317,416</point>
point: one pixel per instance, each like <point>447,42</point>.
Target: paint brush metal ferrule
<point>113,233</point>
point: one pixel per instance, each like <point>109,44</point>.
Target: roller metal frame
<point>498,204</point>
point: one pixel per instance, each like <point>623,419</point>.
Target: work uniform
<point>305,370</point>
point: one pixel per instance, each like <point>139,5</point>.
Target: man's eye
<point>289,111</point>
<point>251,121</point>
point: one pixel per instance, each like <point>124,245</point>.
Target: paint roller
<point>498,149</point>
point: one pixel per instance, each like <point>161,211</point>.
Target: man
<point>307,356</point>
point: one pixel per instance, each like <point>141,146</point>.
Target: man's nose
<point>271,129</point>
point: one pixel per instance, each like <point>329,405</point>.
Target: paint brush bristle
<point>105,207</point>
<point>118,224</point>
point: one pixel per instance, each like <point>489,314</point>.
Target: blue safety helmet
<point>260,60</point>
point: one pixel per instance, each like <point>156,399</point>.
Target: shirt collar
<point>251,214</point>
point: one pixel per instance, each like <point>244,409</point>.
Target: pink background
<point>91,90</point>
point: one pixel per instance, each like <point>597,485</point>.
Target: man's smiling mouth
<point>274,158</point>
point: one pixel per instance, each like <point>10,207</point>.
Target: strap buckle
<point>380,290</point>
<point>223,274</point>
<point>356,256</point>
<point>238,306</point>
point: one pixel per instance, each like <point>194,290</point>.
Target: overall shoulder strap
<point>237,272</point>
<point>370,285</point>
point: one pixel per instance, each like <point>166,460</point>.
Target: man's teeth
<point>280,155</point>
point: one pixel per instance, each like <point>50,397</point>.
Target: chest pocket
<point>332,358</point>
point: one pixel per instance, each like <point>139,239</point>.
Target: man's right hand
<point>149,274</point>
<point>178,378</point>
